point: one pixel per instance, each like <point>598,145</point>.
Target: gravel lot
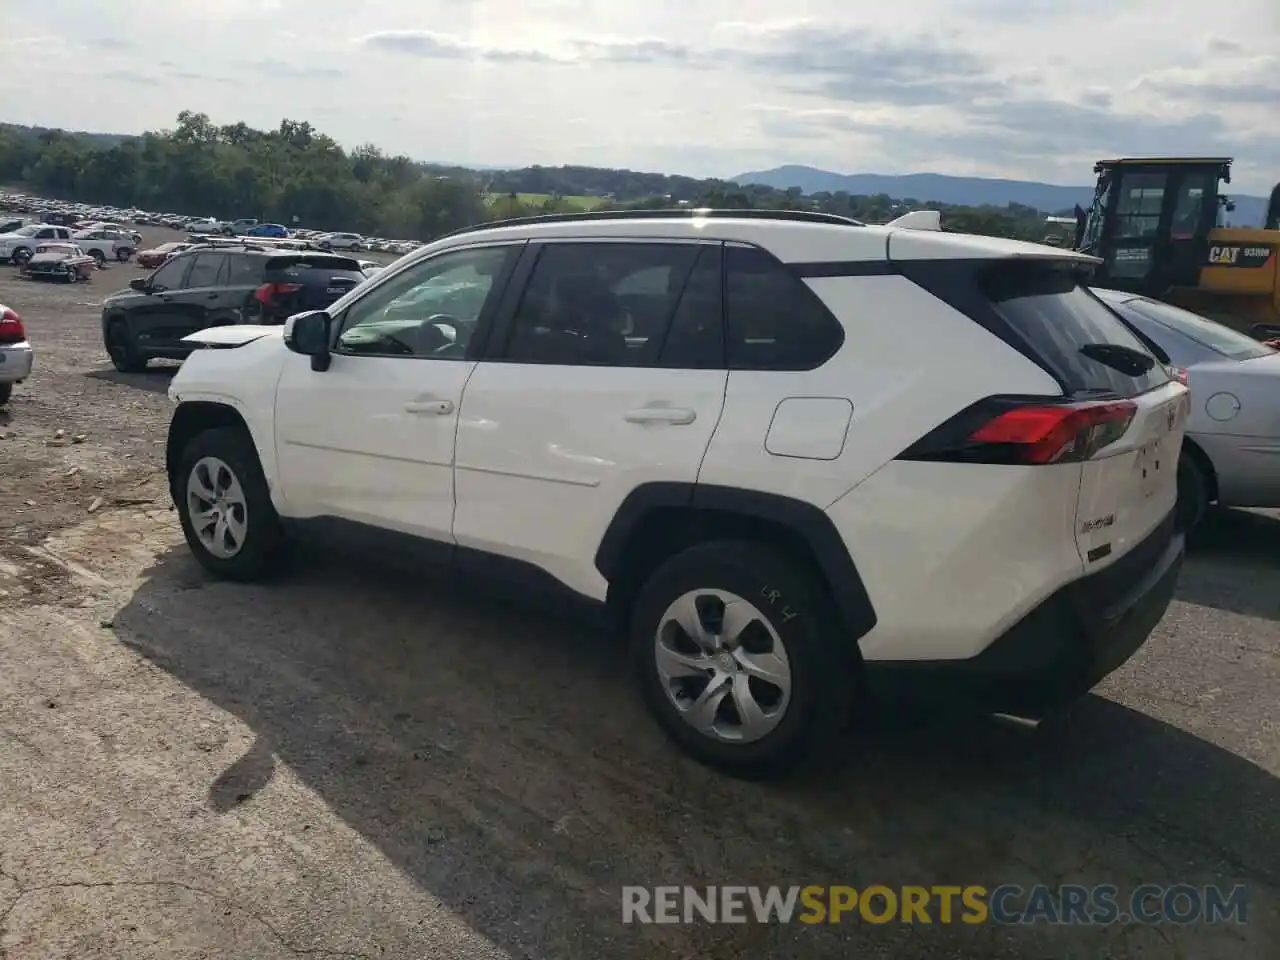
<point>349,763</point>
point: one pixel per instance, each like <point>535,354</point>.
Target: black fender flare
<point>808,522</point>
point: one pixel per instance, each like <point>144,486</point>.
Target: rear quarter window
<point>1049,306</point>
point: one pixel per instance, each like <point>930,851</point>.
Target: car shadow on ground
<point>498,757</point>
<point>1223,558</point>
<point>155,378</point>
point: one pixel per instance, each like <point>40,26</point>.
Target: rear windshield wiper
<point>1131,362</point>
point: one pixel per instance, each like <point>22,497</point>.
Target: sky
<point>1024,89</point>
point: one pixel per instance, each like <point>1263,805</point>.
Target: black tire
<point>824,668</point>
<point>123,254</point>
<point>122,350</point>
<point>98,255</point>
<point>6,391</point>
<point>1193,492</point>
<point>20,256</point>
<point>261,550</point>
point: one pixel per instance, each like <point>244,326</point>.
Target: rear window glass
<point>311,270</point>
<point>1206,332</point>
<point>1064,323</point>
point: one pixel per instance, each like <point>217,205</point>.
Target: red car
<point>157,255</point>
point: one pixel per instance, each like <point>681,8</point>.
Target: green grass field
<point>538,199</point>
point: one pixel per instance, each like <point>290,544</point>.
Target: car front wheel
<point>225,506</point>
<point>741,658</point>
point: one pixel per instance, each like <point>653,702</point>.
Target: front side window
<point>431,309</point>
<point>606,304</point>
<point>169,277</point>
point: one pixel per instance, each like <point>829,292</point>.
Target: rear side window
<point>1070,329</point>
<point>775,322</point>
<point>244,271</point>
<point>204,272</point>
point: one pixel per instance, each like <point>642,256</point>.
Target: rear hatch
<point>310,281</point>
<point>1128,482</point>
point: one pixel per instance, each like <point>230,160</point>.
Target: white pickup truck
<point>104,245</point>
<point>17,247</point>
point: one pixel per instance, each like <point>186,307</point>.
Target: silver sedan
<point>1231,454</point>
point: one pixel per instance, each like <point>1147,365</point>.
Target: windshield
<point>26,232</point>
<point>1209,334</point>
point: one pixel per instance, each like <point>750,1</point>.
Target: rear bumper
<point>15,362</point>
<point>1059,651</point>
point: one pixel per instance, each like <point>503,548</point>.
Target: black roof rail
<point>675,213</point>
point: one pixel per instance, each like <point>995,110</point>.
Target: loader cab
<point>1150,220</point>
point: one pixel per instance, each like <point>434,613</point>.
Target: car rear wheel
<point>20,256</point>
<point>123,254</point>
<point>122,350</point>
<point>225,506</point>
<point>738,653</point>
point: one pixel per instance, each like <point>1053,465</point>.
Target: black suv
<point>218,286</point>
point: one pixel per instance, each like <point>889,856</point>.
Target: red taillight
<point>1181,376</point>
<point>1057,433</point>
<point>269,291</point>
<point>11,329</point>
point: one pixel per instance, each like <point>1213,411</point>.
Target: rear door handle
<point>438,407</point>
<point>673,415</point>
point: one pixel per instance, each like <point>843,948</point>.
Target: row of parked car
<point>64,214</point>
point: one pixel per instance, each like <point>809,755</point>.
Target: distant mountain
<point>970,191</point>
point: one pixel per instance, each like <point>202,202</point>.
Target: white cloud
<point>1015,88</point>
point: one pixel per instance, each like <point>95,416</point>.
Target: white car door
<point>371,438</point>
<point>607,374</point>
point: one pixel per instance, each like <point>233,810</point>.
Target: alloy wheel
<point>217,508</point>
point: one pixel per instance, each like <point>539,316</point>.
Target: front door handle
<point>439,408</point>
<point>213,296</point>
<point>674,415</point>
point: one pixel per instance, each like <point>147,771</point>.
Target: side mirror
<point>139,284</point>
<point>308,334</point>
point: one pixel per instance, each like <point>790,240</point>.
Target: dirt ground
<point>349,763</point>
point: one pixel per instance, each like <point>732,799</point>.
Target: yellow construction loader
<point>1156,225</point>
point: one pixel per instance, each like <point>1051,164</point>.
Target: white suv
<point>804,461</point>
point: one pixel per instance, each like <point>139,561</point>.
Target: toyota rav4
<point>804,462</point>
